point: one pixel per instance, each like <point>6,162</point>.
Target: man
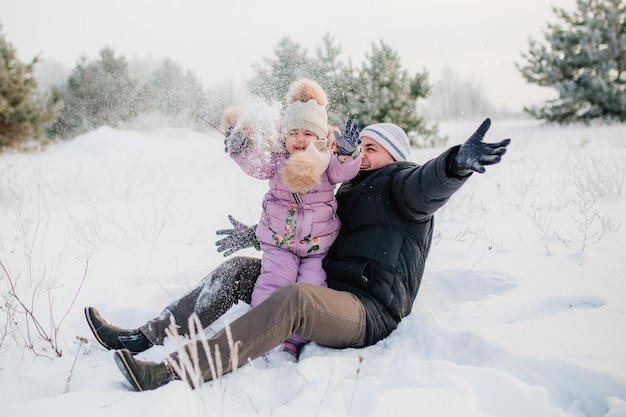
<point>374,268</point>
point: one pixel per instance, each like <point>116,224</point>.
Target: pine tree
<point>176,94</point>
<point>98,93</point>
<point>24,114</point>
<point>584,60</point>
<point>272,79</point>
<point>335,77</point>
<point>292,62</point>
<point>385,93</point>
<point>380,92</point>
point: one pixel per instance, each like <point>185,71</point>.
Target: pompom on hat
<point>306,108</point>
<point>391,137</point>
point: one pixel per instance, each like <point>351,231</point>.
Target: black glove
<point>240,237</point>
<point>474,154</point>
<point>349,140</point>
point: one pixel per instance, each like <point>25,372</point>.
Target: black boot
<point>112,337</point>
<point>142,375</point>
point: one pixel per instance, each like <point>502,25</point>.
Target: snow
<point>521,310</point>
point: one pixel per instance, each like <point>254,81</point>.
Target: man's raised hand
<point>474,154</point>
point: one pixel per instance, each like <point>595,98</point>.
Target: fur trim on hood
<point>304,169</point>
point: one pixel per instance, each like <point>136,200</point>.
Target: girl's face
<point>374,155</point>
<point>299,139</point>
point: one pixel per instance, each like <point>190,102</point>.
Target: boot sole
<point>93,329</point>
<point>125,369</point>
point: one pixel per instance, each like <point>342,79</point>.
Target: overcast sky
<point>221,40</point>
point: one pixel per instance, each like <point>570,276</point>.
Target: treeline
<point>103,92</point>
<point>583,59</point>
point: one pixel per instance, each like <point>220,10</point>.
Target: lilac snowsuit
<point>296,230</point>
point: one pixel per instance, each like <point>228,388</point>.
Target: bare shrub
<point>45,325</point>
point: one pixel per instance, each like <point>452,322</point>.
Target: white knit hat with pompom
<point>306,108</point>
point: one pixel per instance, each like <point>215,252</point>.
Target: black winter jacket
<point>386,230</point>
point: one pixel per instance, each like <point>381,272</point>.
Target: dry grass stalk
<point>188,365</point>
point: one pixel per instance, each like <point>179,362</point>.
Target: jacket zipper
<point>297,237</point>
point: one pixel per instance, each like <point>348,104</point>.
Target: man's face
<point>374,155</point>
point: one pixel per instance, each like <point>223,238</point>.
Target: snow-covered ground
<point>521,310</point>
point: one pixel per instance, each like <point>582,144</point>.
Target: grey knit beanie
<point>391,137</point>
<point>307,108</point>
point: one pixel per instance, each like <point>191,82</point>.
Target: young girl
<point>299,219</point>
